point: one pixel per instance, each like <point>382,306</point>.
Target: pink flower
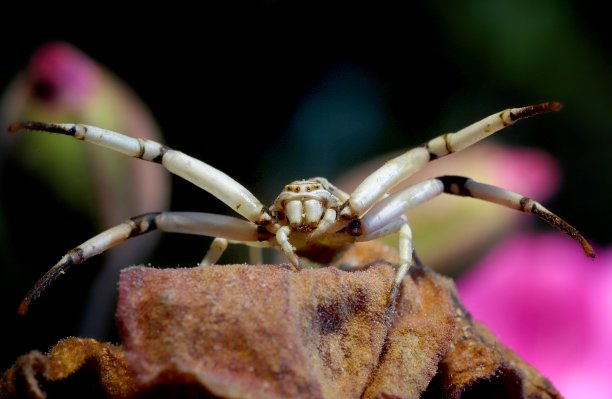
<point>552,305</point>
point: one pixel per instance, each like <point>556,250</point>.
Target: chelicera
<point>310,218</point>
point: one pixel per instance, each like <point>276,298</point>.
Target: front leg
<point>219,184</point>
<point>463,186</point>
<point>385,212</point>
<point>380,182</point>
<point>387,216</point>
<point>173,222</point>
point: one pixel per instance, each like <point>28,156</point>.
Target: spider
<point>310,218</point>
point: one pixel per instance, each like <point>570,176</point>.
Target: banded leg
<point>382,215</point>
<point>376,185</point>
<point>172,222</point>
<point>466,187</point>
<point>193,170</point>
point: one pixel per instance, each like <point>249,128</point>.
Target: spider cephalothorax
<point>306,209</point>
<point>303,203</point>
<point>310,218</point>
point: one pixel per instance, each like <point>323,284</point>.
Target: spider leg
<point>387,210</point>
<point>193,170</point>
<point>466,187</point>
<point>219,245</point>
<point>173,222</point>
<point>255,255</point>
<point>382,215</point>
<point>406,252</point>
<point>216,249</point>
<point>376,185</point>
<point>282,237</point>
<point>406,249</point>
<point>387,215</point>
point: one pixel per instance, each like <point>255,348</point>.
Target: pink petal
<point>544,299</point>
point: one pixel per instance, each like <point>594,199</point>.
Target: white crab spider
<point>310,218</point>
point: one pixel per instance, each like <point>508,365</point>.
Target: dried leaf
<point>74,365</point>
<point>266,331</point>
<point>477,366</point>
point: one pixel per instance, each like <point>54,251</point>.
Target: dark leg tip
<point>41,126</point>
<point>15,127</point>
<point>23,307</point>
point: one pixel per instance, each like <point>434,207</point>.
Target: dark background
<point>225,85</point>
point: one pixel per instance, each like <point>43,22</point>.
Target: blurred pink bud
<point>62,76</point>
<point>552,305</point>
<point>62,84</point>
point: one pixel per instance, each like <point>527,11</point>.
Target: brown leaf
<point>478,366</point>
<point>267,331</point>
<point>419,336</point>
<point>74,365</point>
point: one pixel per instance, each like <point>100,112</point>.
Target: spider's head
<point>302,203</point>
